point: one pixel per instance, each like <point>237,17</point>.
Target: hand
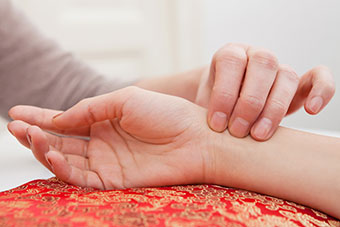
<point>247,91</point>
<point>136,138</point>
<point>139,138</point>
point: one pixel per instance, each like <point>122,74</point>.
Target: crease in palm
<point>152,145</point>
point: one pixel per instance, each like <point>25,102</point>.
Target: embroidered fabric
<point>54,203</point>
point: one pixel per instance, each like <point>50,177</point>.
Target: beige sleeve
<point>36,71</point>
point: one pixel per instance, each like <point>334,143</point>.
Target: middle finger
<point>260,76</point>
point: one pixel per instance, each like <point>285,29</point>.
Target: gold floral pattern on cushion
<point>54,203</point>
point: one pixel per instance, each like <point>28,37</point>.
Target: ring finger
<point>277,104</point>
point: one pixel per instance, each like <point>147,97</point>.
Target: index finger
<point>43,119</point>
<point>228,68</point>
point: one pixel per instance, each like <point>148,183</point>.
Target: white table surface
<point>18,165</point>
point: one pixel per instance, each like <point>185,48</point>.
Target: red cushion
<point>53,203</point>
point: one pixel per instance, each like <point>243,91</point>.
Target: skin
<point>139,138</point>
<point>144,146</point>
<point>248,91</point>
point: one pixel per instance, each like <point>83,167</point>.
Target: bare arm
<point>294,165</point>
<point>183,84</point>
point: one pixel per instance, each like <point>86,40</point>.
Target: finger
<point>260,75</point>
<point>96,109</point>
<point>18,130</point>
<point>228,67</point>
<point>32,138</point>
<point>43,118</point>
<point>41,142</point>
<point>140,113</point>
<point>64,144</point>
<point>277,104</point>
<point>71,146</point>
<point>316,89</point>
<point>38,144</point>
<point>71,174</point>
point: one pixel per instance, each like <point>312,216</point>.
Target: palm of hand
<point>123,160</point>
<point>150,145</point>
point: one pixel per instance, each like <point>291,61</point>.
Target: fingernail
<point>219,121</point>
<point>263,128</point>
<point>240,127</point>
<point>316,104</point>
<point>57,115</point>
<point>29,138</point>
<point>49,162</point>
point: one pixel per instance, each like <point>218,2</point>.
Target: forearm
<point>293,165</point>
<point>184,84</point>
<point>36,71</point>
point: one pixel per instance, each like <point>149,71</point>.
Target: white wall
<point>302,33</point>
<point>125,38</point>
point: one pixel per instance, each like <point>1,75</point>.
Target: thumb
<point>96,109</point>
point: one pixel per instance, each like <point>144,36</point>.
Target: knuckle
<point>231,55</point>
<point>324,77</point>
<point>128,93</point>
<point>231,45</point>
<point>286,68</point>
<point>43,120</point>
<point>34,127</point>
<point>223,95</point>
<point>293,77</point>
<point>90,116</point>
<point>289,73</point>
<point>131,90</point>
<point>253,102</point>
<point>278,106</point>
<point>322,72</point>
<point>265,58</point>
<point>234,46</point>
<point>84,102</point>
<point>321,68</point>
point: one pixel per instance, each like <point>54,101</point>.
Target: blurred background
<point>144,38</point>
<point>147,38</point>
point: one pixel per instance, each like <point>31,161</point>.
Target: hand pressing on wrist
<point>135,138</point>
<point>247,91</point>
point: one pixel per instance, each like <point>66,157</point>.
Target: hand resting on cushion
<point>139,138</point>
<point>136,138</point>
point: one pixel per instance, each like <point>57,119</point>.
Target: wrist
<point>226,158</point>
